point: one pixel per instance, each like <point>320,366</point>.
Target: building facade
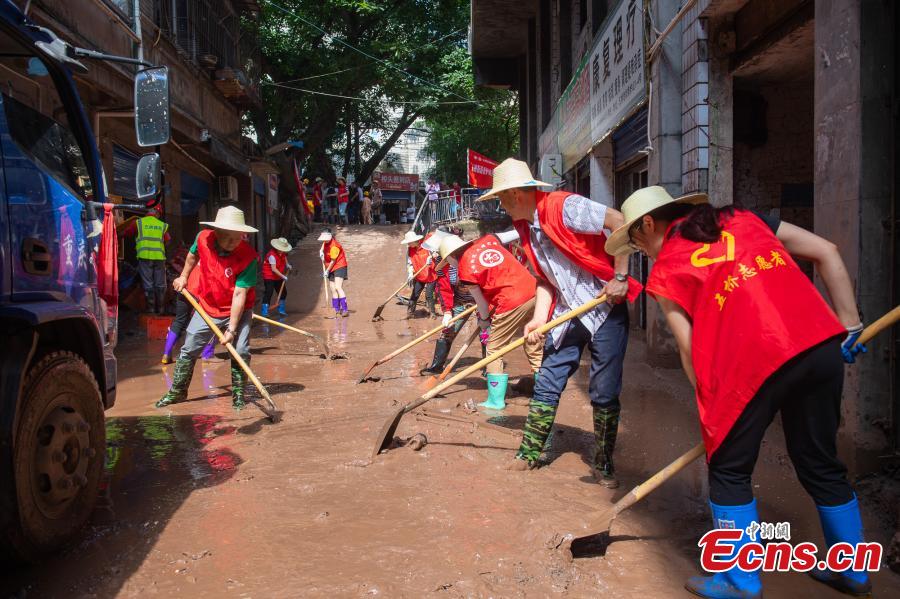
<point>789,107</point>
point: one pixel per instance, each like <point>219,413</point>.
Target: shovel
<point>234,355</point>
<point>573,545</point>
<point>296,330</point>
<point>280,291</point>
<point>390,426</point>
<point>417,341</point>
<point>377,316</point>
<point>327,286</point>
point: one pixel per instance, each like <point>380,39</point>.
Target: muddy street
<point>201,501</point>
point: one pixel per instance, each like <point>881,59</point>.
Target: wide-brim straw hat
<point>281,244</point>
<point>230,218</point>
<point>433,243</point>
<point>411,237</point>
<point>511,174</point>
<point>507,237</point>
<point>640,203</point>
<point>450,245</point>
<point>325,236</point>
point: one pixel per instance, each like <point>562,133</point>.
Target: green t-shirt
<point>246,278</point>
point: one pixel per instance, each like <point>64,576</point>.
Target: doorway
<point>629,179</point>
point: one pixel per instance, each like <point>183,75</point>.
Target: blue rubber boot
<point>735,583</point>
<point>281,308</point>
<point>264,310</point>
<point>843,524</point>
<point>496,384</point>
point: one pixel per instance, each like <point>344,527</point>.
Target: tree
<point>491,128</point>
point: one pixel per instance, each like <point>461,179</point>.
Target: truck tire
<point>60,442</point>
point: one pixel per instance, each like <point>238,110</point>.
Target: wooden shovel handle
<point>652,483</point>
<point>879,325</point>
<point>544,329</point>
<point>422,338</point>
<point>459,354</point>
<point>235,356</point>
<point>280,291</point>
<point>403,286</point>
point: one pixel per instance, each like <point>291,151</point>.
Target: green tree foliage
<point>491,128</point>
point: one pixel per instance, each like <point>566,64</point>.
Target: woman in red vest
<point>756,338</point>
<point>343,198</point>
<point>224,268</point>
<point>417,257</point>
<point>334,266</point>
<point>275,274</point>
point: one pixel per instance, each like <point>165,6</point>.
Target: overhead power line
<point>358,98</point>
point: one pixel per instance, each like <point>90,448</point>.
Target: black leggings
<point>807,392</point>
<point>272,287</point>
<point>183,313</point>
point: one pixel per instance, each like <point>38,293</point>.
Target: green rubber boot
<point>537,430</point>
<point>496,385</point>
<point>606,428</point>
<point>181,380</point>
<point>238,380</point>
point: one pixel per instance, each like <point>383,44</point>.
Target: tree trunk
<point>348,151</point>
<point>372,163</point>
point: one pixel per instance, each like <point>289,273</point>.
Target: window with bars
<point>206,32</point>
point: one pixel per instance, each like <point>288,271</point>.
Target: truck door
<point>46,182</point>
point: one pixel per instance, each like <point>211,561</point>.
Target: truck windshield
<point>37,118</point>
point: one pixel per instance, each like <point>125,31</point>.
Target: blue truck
<point>57,333</point>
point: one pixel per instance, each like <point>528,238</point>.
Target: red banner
<point>396,181</point>
<point>481,170</point>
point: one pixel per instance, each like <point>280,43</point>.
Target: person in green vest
<point>151,235</point>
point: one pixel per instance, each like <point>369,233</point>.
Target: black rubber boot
<point>181,380</point>
<point>238,380</point>
<point>441,351</point>
<point>606,428</point>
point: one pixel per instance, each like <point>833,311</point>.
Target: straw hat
<point>511,174</point>
<point>507,237</point>
<point>230,218</point>
<point>449,246</point>
<point>411,237</point>
<point>433,243</point>
<point>281,244</point>
<point>642,202</point>
<point>326,235</point>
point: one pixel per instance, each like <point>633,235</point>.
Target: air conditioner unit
<point>551,168</point>
<point>228,189</point>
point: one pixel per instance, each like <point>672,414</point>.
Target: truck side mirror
<point>151,106</point>
<point>146,177</point>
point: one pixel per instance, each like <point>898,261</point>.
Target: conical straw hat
<point>642,202</point>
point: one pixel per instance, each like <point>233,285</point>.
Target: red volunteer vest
<point>340,261</point>
<point>214,284</point>
<point>585,251</point>
<point>280,264</point>
<point>418,256</point>
<point>343,194</point>
<point>505,283</point>
<point>752,309</point>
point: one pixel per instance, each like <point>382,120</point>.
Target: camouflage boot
<point>181,380</point>
<point>537,429</point>
<point>238,379</point>
<point>606,427</point>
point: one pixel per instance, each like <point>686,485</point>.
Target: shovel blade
<point>377,316</point>
<point>591,543</point>
<point>387,433</point>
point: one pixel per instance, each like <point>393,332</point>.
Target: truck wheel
<point>59,448</point>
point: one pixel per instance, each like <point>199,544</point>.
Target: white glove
<point>445,321</point>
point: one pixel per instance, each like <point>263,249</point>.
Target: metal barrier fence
<point>447,209</point>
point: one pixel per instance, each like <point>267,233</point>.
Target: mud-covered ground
<point>201,501</point>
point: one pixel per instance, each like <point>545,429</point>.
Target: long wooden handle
<point>237,358</point>
<point>403,286</point>
<point>544,329</point>
<point>652,483</point>
<point>425,336</point>
<point>459,354</point>
<point>283,326</point>
<point>879,325</point>
<point>280,291</point>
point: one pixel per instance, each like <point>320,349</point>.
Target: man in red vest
<point>562,235</point>
<point>224,268</point>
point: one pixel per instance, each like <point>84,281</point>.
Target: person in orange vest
<point>756,338</point>
<point>562,236</point>
<point>418,257</point>
<point>500,284</point>
<point>275,274</point>
<point>334,266</point>
<point>225,287</point>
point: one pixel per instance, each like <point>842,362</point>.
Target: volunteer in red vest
<point>418,257</point>
<point>343,199</point>
<point>318,196</point>
<point>497,281</point>
<point>225,287</point>
<point>275,273</point>
<point>334,265</point>
<point>562,235</point>
<point>755,338</point>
